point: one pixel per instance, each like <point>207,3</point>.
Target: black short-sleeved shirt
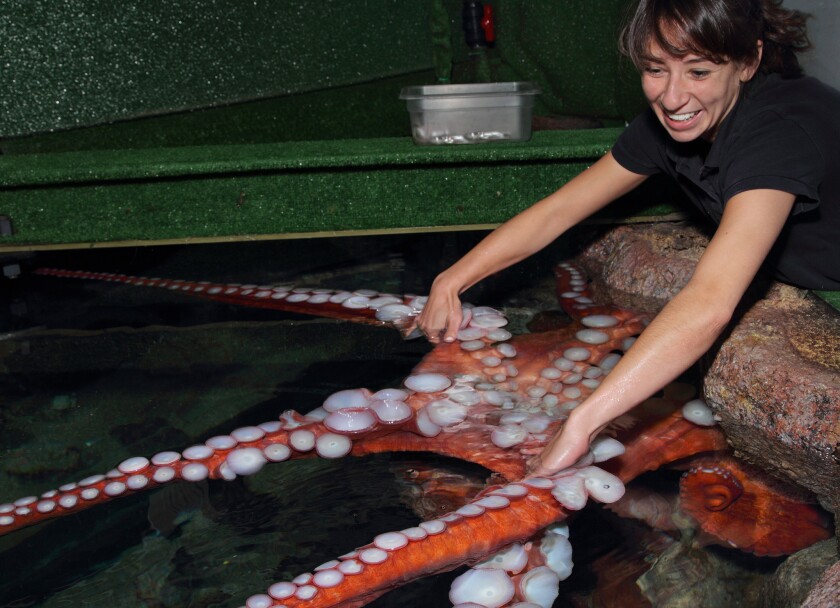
<point>782,134</point>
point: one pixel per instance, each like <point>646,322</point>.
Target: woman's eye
<point>653,71</point>
<point>699,73</point>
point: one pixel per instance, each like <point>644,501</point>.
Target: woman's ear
<point>750,68</point>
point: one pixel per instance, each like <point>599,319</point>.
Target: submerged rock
<point>686,577</point>
<point>798,576</point>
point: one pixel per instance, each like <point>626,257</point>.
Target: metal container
<point>470,113</point>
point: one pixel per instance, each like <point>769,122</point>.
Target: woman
<point>754,145</point>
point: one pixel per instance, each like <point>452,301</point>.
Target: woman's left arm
<point>685,328</point>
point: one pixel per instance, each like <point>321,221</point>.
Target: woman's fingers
<point>409,329</point>
<point>449,335</point>
<point>534,467</point>
<point>453,323</point>
<point>440,319</point>
<point>563,450</point>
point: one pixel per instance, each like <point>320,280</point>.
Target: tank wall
<point>821,61</point>
<point>78,63</point>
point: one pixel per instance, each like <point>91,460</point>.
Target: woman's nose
<point>675,94</point>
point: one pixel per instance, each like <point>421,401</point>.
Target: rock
<point>799,575</point>
<point>63,402</point>
<point>826,591</point>
<point>643,266</point>
<point>685,576</point>
<point>43,460</point>
<point>774,380</point>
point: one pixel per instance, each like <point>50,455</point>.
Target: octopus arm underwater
<point>490,398</point>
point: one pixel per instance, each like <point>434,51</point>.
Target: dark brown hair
<point>720,30</point>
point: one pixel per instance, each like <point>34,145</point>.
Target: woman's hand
<point>564,449</point>
<point>519,237</point>
<point>441,317</point>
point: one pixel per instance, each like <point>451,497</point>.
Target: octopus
<point>492,399</point>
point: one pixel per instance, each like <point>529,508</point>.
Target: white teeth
<point>682,117</point>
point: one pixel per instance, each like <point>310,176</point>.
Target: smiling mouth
<point>682,117</point>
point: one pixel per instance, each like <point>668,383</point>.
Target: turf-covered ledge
<point>195,194</point>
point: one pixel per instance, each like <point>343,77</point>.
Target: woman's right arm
<point>520,237</point>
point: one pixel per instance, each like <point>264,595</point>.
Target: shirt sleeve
<point>640,148</point>
<point>776,154</point>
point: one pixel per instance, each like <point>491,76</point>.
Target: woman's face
<point>691,95</point>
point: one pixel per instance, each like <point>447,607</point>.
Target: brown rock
<point>774,379</point>
<point>643,266</point>
<point>775,382</point>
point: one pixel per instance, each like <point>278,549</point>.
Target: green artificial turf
<point>200,120</point>
<point>832,298</point>
<point>283,189</point>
